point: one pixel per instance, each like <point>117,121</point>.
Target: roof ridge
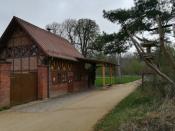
<point>62,40</point>
<point>17,18</point>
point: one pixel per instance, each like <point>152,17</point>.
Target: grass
<point>126,79</point>
<point>133,107</point>
<point>116,80</point>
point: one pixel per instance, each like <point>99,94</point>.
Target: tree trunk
<point>118,56</point>
<point>148,62</point>
<point>162,44</point>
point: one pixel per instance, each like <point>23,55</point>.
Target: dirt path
<point>77,112</point>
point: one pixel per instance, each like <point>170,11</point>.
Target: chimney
<point>48,29</point>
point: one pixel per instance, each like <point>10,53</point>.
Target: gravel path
<point>76,112</point>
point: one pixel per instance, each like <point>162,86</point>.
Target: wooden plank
<point>23,88</point>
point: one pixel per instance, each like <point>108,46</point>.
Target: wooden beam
<point>103,74</point>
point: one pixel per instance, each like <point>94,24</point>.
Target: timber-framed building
<point>36,64</point>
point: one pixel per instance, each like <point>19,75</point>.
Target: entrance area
<point>23,88</point>
<point>76,112</point>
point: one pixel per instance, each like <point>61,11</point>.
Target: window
<point>62,68</point>
<point>54,77</point>
<point>64,77</point>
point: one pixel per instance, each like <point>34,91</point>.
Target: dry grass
<point>162,119</point>
<point>146,109</point>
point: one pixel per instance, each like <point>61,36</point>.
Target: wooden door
<point>23,88</point>
<point>70,82</point>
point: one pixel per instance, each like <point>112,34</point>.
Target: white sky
<point>43,12</point>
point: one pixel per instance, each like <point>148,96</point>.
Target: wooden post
<point>43,82</point>
<point>103,74</point>
<point>110,68</point>
<point>5,84</point>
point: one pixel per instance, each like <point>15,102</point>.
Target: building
<point>36,64</point>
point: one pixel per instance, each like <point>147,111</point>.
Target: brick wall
<point>42,82</point>
<point>62,88</point>
<point>58,89</point>
<point>80,85</point>
<point>5,84</point>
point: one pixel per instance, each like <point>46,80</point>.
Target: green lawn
<point>116,80</point>
<point>133,107</point>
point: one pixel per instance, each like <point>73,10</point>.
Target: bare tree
<point>81,33</point>
<point>86,32</point>
<point>69,32</point>
<point>56,28</point>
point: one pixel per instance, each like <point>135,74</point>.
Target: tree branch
<point>162,44</point>
<point>149,62</point>
<point>165,26</point>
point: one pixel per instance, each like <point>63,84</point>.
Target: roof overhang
<point>94,61</point>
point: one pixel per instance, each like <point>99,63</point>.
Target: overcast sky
<point>43,12</point>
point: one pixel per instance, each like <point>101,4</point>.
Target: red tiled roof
<point>51,44</point>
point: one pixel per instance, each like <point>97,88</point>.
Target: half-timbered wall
<point>25,56</point>
<point>21,51</point>
<point>60,70</point>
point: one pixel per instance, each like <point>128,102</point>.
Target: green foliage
<point>133,107</point>
<point>141,17</point>
<point>109,44</point>
<point>162,60</point>
<point>133,66</point>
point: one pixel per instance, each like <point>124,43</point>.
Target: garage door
<point>23,88</point>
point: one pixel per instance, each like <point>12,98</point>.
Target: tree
<point>56,28</point>
<point>81,33</point>
<point>111,44</point>
<point>65,29</point>
<point>69,32</point>
<point>147,16</point>
<point>131,65</point>
<point>86,31</point>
